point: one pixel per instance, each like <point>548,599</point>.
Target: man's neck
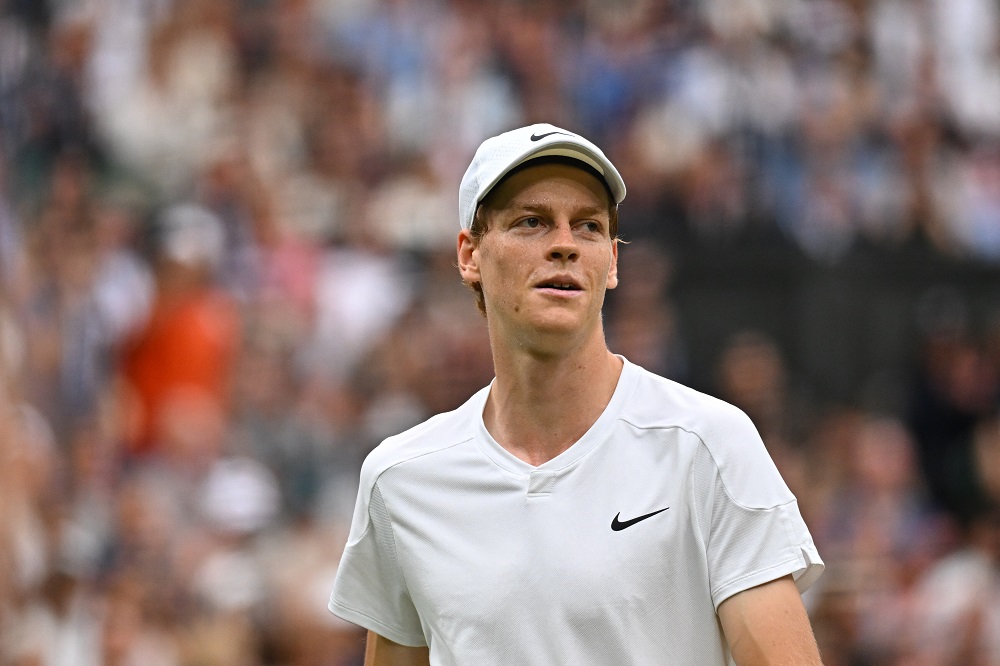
<point>540,405</point>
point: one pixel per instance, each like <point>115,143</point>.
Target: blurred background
<point>227,272</point>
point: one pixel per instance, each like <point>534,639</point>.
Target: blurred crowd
<point>227,272</point>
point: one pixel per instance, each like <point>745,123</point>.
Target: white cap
<point>192,234</point>
<point>240,495</point>
<point>498,155</point>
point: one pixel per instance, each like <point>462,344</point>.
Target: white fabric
<point>461,546</point>
<point>499,154</point>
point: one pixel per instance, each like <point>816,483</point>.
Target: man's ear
<point>468,258</point>
<point>613,270</point>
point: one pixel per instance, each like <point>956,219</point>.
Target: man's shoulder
<point>720,430</point>
<point>658,402</point>
<point>436,434</point>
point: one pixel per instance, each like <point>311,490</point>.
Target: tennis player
<point>580,509</point>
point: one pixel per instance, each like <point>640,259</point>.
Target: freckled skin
<point>544,221</point>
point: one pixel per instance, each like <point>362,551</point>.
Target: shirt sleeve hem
<point>805,568</point>
<point>367,622</point>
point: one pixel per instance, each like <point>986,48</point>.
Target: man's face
<point>547,258</point>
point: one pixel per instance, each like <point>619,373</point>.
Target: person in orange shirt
<point>181,360</point>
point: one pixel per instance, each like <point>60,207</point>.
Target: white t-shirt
<point>618,551</point>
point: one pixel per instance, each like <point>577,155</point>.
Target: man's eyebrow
<point>530,207</point>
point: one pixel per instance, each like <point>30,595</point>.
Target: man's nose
<point>564,246</point>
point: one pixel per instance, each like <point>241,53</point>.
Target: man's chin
<point>555,332</point>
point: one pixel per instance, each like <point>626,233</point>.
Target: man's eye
<point>531,222</point>
<point>592,227</point>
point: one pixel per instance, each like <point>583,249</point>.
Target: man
<point>579,510</point>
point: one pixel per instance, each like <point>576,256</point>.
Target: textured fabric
<point>495,561</point>
<point>498,155</point>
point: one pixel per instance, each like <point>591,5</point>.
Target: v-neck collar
<point>596,434</point>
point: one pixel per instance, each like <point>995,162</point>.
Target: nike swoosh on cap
<point>539,137</point>
<point>618,525</point>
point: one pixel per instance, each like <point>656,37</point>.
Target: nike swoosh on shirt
<point>619,525</point>
<point>539,137</point>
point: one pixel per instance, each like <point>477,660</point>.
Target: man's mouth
<point>560,285</point>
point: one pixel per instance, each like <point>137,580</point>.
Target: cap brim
<point>572,150</point>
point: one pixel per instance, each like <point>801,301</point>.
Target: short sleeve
<point>369,589</point>
<point>755,532</point>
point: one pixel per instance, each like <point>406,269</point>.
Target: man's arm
<point>380,651</point>
<point>767,625</point>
